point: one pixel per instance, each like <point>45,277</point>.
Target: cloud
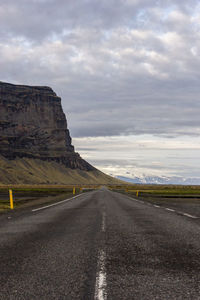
<point>111,71</point>
<point>40,19</point>
<point>142,155</point>
<point>122,67</point>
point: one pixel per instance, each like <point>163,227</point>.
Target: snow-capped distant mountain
<point>161,180</point>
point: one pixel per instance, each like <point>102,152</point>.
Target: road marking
<point>100,287</point>
<point>133,199</point>
<point>103,226</point>
<point>166,208</point>
<point>190,216</point>
<point>47,206</point>
<point>169,209</point>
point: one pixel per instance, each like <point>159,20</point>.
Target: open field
<point>160,189</point>
<point>175,197</point>
<point>169,191</point>
<point>30,195</point>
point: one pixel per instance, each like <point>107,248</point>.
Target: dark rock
<point>33,124</point>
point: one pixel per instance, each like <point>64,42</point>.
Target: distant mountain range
<point>161,180</point>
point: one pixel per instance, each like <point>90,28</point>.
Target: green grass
<point>25,194</point>
<point>159,190</point>
<point>22,196</point>
<point>38,172</point>
<point>168,192</point>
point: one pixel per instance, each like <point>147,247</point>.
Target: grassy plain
<point>30,195</point>
<point>164,190</point>
<point>159,191</point>
<point>179,198</point>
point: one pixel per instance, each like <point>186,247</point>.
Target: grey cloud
<point>125,69</point>
<point>39,19</point>
<point>119,66</point>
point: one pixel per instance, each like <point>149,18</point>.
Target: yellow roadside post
<point>137,193</point>
<point>74,190</point>
<point>11,199</point>
<point>80,189</point>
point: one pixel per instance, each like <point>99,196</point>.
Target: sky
<point>127,71</point>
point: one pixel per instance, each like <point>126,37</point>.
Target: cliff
<point>33,125</point>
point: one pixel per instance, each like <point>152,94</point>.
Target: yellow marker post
<point>137,193</point>
<point>80,189</point>
<point>11,199</point>
<point>74,190</point>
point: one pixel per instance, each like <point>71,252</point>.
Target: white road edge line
<point>66,200</point>
<point>169,209</point>
<point>133,199</point>
<point>190,216</point>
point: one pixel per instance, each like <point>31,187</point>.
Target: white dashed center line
<point>100,286</point>
<point>156,206</point>
<point>103,226</point>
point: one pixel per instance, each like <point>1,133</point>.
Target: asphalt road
<point>100,245</point>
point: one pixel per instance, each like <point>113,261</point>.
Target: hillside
<point>35,143</point>
<point>36,171</point>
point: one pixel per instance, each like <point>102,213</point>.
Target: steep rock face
<point>33,124</point>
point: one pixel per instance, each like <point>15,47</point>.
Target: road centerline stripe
<point>100,285</point>
<point>103,226</point>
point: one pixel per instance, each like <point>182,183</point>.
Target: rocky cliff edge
<point>33,125</point>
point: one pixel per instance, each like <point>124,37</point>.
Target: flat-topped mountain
<point>35,143</point>
<point>33,125</point>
